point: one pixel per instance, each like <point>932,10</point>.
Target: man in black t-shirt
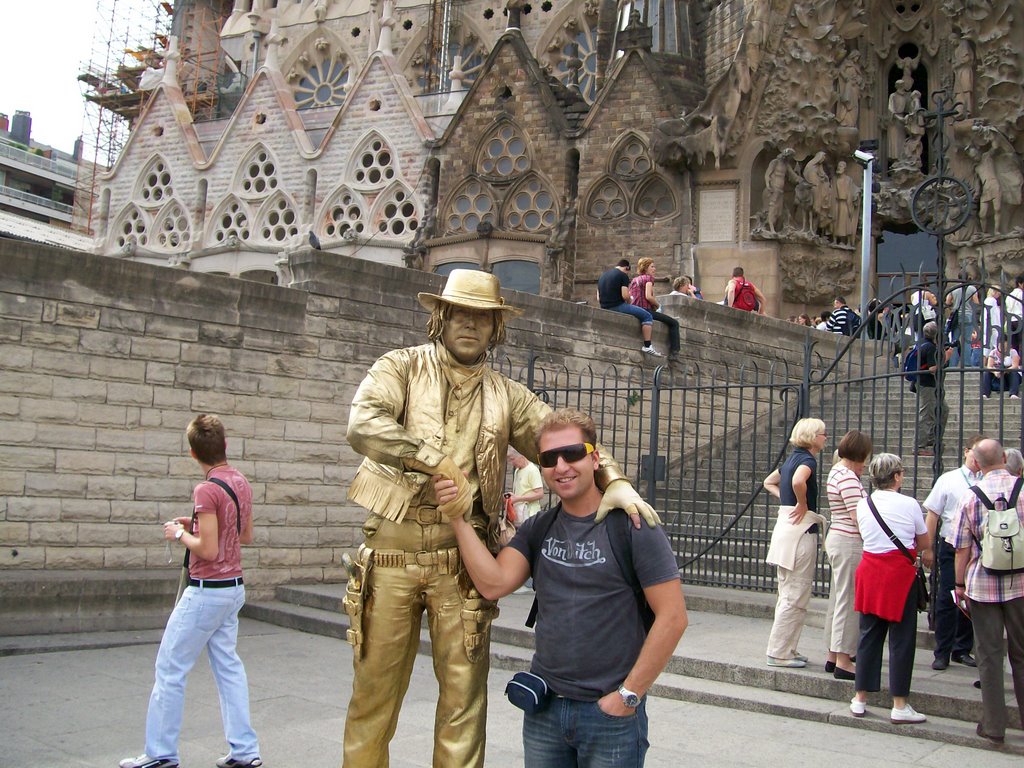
<point>928,357</point>
<point>592,648</point>
<point>613,294</point>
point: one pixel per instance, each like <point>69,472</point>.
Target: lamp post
<point>867,160</point>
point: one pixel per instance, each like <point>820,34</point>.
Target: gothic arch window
<point>503,155</point>
<point>464,41</point>
<point>257,173</point>
<point>573,35</point>
<point>395,213</point>
<point>630,158</point>
<point>130,228</point>
<point>171,230</point>
<point>530,206</point>
<point>276,222</point>
<point>372,165</point>
<point>607,201</point>
<point>154,186</point>
<point>232,221</point>
<point>344,213</point>
<point>654,200</point>
<point>324,83</point>
<point>319,71</point>
<point>471,205</point>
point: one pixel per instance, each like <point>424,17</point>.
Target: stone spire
<point>387,24</point>
<point>515,12</point>
<point>171,59</point>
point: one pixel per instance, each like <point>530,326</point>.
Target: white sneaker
<point>651,351</point>
<point>857,707</point>
<point>906,715</point>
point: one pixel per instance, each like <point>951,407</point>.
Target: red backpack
<point>743,296</point>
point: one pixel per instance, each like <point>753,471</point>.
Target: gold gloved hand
<point>620,494</point>
<point>461,504</point>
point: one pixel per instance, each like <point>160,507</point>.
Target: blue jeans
<point>203,618</point>
<point>638,312</point>
<point>577,734</point>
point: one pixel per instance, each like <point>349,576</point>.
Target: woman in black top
<point>794,541</point>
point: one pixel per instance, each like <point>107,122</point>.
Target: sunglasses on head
<point>571,454</point>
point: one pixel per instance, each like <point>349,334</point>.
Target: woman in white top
<point>887,589</point>
<point>992,322</point>
<point>1002,371</point>
<point>843,547</point>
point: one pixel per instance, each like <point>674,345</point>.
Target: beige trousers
<point>794,594</point>
<point>394,605</point>
<point>842,623</point>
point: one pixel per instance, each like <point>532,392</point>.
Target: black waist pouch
<point>528,692</point>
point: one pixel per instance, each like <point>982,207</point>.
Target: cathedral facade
<point>544,141</point>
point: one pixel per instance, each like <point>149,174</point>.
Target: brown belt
<point>446,560</point>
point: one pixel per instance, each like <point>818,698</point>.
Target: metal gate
<point>698,439</point>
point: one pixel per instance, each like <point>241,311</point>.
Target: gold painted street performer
<point>437,409</point>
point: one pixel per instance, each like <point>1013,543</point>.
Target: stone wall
<point>104,362</point>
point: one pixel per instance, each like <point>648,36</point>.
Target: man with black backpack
<point>989,541</point>
<point>610,610</point>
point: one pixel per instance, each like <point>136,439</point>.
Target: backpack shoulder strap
<point>538,532</point>
<point>230,492</point>
<point>983,498</point>
<point>620,539</point>
<point>1012,503</point>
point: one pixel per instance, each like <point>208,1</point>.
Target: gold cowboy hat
<point>469,288</point>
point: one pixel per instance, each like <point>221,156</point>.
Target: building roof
<point>16,227</point>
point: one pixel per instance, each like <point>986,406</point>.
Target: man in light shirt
<point>954,634</point>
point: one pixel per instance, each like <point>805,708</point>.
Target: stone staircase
<point>720,661</point>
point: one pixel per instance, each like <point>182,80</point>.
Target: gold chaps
<point>403,569</point>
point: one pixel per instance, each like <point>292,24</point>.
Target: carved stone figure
<point>900,105</point>
<point>913,141</point>
<point>756,33</point>
<point>780,170</point>
<point>851,82</point>
<point>803,200</point>
<point>846,206</point>
<point>821,192</point>
<point>687,142</point>
<point>1000,179</point>
<point>963,75</point>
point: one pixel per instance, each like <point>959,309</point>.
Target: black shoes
<point>964,658</point>
<point>830,667</point>
<point>940,664</point>
<point>842,674</point>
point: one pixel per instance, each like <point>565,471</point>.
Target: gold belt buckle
<point>424,558</point>
<point>427,515</point>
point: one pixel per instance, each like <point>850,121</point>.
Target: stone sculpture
<point>846,206</point>
<point>780,170</point>
<point>821,194</point>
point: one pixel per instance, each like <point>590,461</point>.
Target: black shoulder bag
<point>922,580</point>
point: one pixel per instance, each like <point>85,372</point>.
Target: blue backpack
<point>911,367</point>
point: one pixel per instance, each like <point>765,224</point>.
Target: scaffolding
<point>437,47</point>
<point>130,37</point>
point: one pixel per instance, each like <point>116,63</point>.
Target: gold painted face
<point>467,333</point>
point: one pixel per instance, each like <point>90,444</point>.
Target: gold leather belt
<point>446,560</point>
<point>424,515</point>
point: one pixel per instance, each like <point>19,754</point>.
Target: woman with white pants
<point>795,539</point>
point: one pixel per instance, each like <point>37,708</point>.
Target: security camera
<point>862,156</point>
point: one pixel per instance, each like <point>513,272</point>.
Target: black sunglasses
<point>571,454</point>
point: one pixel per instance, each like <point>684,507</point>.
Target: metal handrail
<point>28,197</point>
<point>59,167</point>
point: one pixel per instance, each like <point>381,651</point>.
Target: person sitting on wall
<point>613,294</point>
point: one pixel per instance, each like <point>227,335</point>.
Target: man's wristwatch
<point>178,534</point>
<point>629,698</point>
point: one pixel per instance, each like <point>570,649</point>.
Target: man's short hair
<point>623,263</point>
<point>840,299</point>
<point>805,431</point>
<point>883,470</point>
<point>206,437</point>
<point>973,440</point>
<point>931,330</point>
<point>737,272</point>
<point>443,311</point>
<point>1014,462</point>
<point>567,417</point>
<point>678,283</point>
<point>855,446</point>
<point>989,454</point>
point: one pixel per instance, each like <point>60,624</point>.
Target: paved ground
<point>87,708</point>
